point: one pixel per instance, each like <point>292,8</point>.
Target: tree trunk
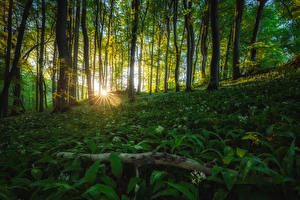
<point>204,40</point>
<point>157,81</point>
<point>135,12</point>
<point>100,47</point>
<point>95,46</point>
<point>196,58</point>
<point>86,51</point>
<point>74,77</point>
<point>14,69</point>
<point>41,60</point>
<point>107,44</point>
<point>236,39</point>
<point>215,60</point>
<point>256,29</point>
<point>177,55</point>
<point>227,52</point>
<point>190,44</point>
<point>151,73</point>
<point>167,55</point>
<point>64,57</point>
<point>53,75</point>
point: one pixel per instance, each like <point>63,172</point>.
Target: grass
<point>251,125</point>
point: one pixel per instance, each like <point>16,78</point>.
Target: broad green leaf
<point>220,194</point>
<point>98,189</point>
<point>183,190</point>
<point>108,181</point>
<point>216,170</point>
<point>132,183</point>
<point>91,173</point>
<point>116,165</point>
<point>230,178</point>
<point>166,192</point>
<point>241,152</point>
<point>92,146</point>
<point>124,197</point>
<point>156,175</point>
<point>289,158</point>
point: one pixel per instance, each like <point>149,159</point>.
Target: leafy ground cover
<point>248,132</point>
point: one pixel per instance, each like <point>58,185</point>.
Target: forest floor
<point>249,125</point>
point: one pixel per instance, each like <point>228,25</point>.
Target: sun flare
<point>103,92</point>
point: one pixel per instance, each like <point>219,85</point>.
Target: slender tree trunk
<point>135,12</point>
<point>53,75</point>
<point>196,58</point>
<point>45,94</point>
<point>86,51</point>
<point>102,21</point>
<point>140,65</point>
<point>151,73</point>
<point>95,46</point>
<point>167,55</point>
<point>215,60</point>
<point>74,77</point>
<point>227,52</point>
<point>14,69</point>
<point>190,44</point>
<point>204,47</point>
<point>61,103</point>
<point>177,55</point>
<point>256,28</point>
<point>41,60</point>
<point>236,39</point>
<point>108,41</point>
<point>157,81</point>
<point>4,110</point>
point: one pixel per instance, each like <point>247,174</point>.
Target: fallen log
<point>140,159</point>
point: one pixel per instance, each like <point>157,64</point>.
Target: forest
<point>150,99</point>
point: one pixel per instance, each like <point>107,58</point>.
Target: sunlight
<point>103,92</point>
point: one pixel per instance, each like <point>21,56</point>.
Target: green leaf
<point>241,152</point>
<point>124,197</point>
<point>92,146</point>
<point>220,194</point>
<point>289,158</point>
<point>166,192</point>
<point>132,183</point>
<point>36,173</point>
<point>216,170</point>
<point>230,178</point>
<point>183,190</point>
<point>116,165</point>
<point>156,175</point>
<point>98,189</point>
<point>108,181</point>
<point>91,173</point>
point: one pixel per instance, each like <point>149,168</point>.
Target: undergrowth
<point>248,132</point>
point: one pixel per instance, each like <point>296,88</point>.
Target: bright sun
<point>103,92</point>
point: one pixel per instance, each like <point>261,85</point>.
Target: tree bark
<point>204,47</point>
<point>236,39</point>
<point>62,103</point>
<point>157,80</point>
<point>135,11</point>
<point>74,77</point>
<point>102,21</point>
<point>228,50</point>
<point>14,69</point>
<point>86,51</point>
<point>256,28</point>
<point>215,60</point>
<point>190,44</point>
<point>167,55</point>
<point>95,46</point>
<point>54,69</point>
<point>41,60</point>
<point>151,71</point>
<point>196,58</point>
<point>177,55</point>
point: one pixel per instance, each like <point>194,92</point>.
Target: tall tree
<point>215,60</point>
<point>177,55</point>
<point>135,15</point>
<point>190,43</point>
<point>74,76</point>
<point>152,55</point>
<point>239,7</point>
<point>157,80</point>
<point>14,69</point>
<point>54,69</point>
<point>41,58</point>
<point>86,51</point>
<point>95,45</point>
<point>167,50</point>
<point>204,47</point>
<point>256,28</point>
<point>62,103</point>
<point>227,52</point>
